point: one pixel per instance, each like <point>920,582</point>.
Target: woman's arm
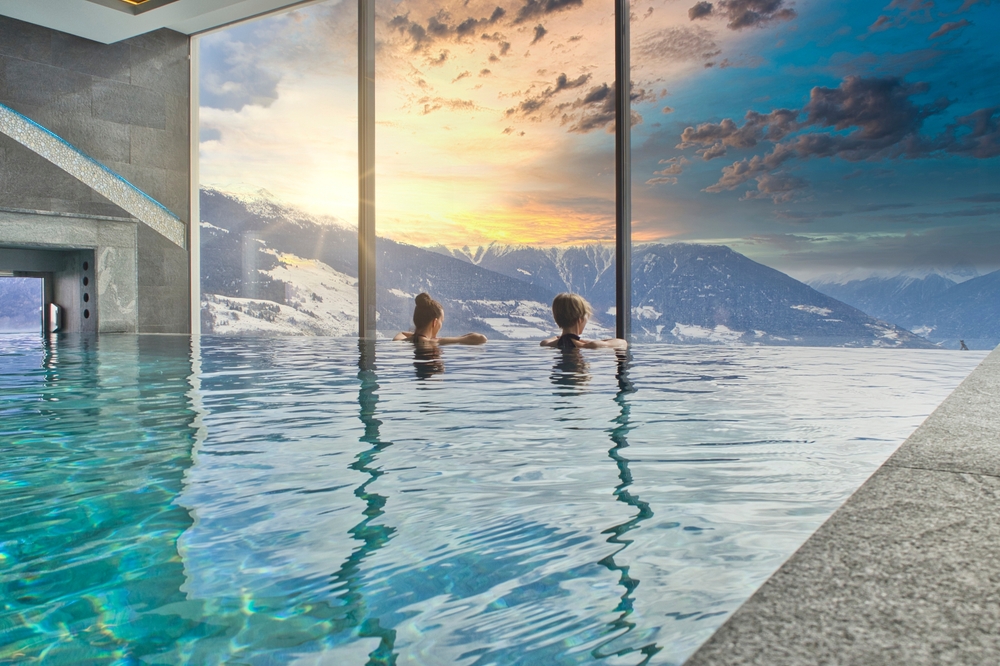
<point>405,335</point>
<point>467,339</point>
<point>549,342</point>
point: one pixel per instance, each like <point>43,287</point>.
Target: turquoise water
<point>168,500</point>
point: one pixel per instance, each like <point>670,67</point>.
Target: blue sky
<point>911,194</point>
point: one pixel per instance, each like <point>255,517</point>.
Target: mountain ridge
<point>681,292</point>
<point>935,306</point>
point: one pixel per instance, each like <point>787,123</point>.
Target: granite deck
<point>907,571</point>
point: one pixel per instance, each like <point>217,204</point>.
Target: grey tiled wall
<point>124,104</point>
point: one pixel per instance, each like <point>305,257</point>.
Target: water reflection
<point>372,535</point>
<point>497,531</point>
<point>570,371</point>
<point>427,360</point>
<point>271,493</point>
<point>622,626</point>
<point>94,448</point>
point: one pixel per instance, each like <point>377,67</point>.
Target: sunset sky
<point>813,136</point>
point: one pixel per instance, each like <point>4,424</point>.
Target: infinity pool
<point>169,500</point>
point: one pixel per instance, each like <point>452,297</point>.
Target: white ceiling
<point>103,24</point>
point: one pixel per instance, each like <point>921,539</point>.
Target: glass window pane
<point>278,170</point>
<point>20,305</point>
<point>495,162</point>
<point>852,146</point>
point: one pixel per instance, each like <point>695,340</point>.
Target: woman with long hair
<point>428,318</point>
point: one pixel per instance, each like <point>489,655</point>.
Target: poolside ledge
<point>907,570</point>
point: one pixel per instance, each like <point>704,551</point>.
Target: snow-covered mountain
<point>968,311</point>
<point>697,293</point>
<point>701,288</point>
<point>20,305</point>
<point>259,258</point>
<point>934,306</point>
<point>282,270</point>
<point>894,299</point>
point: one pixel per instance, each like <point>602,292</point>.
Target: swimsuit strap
<point>566,341</point>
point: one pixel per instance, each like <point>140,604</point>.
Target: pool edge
<point>904,571</point>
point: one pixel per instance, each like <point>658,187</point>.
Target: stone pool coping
<point>907,571</point>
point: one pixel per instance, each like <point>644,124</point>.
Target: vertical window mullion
<point>366,168</point>
<point>623,174</point>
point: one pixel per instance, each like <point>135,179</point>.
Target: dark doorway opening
<point>21,302</point>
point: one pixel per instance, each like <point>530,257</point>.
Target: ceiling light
<point>133,6</point>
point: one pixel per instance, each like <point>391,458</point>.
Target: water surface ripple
<point>173,500</point>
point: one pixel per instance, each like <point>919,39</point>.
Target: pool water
<point>174,500</point>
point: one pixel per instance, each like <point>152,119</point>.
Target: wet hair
<point>426,310</point>
<point>567,309</point>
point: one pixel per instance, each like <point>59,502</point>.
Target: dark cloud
<point>869,119</point>
<point>532,104</point>
<point>596,110</point>
<point>715,138</point>
<point>740,172</point>
<point>975,135</point>
<point>675,44</point>
<point>539,33</point>
<point>668,175</point>
<point>745,13</point>
<point>879,111</point>
<point>862,119</point>
<point>533,9</point>
<point>484,72</point>
<point>949,27</point>
<point>438,28</point>
<point>700,10</point>
<point>564,83</point>
<point>439,59</point>
<point>713,151</point>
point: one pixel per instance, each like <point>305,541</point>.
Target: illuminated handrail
<point>92,173</point>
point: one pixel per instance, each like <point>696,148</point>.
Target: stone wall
<point>127,105</point>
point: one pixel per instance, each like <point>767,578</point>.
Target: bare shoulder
<point>610,343</point>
